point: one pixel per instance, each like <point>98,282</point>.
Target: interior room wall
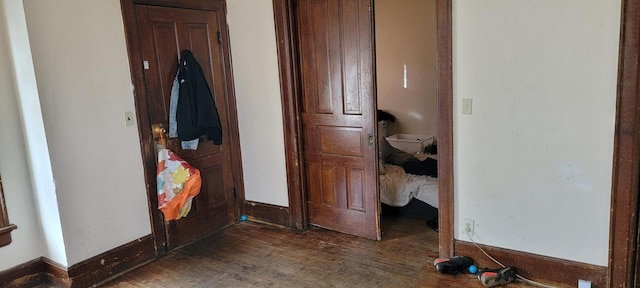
<point>83,77</point>
<point>533,163</point>
<point>14,170</point>
<point>35,141</point>
<point>405,35</point>
<point>257,88</point>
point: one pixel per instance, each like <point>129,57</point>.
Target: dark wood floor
<point>256,255</point>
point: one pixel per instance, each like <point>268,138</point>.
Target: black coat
<point>196,112</point>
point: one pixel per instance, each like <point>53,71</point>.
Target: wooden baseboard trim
<point>86,273</point>
<point>25,275</point>
<point>54,273</point>
<point>112,262</point>
<point>540,268</point>
<point>262,212</point>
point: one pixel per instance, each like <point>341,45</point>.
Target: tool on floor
<point>454,265</point>
<point>497,277</point>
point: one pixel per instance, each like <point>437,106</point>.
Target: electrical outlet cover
<point>468,223</point>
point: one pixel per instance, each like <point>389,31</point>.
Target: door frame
<point>624,222</point>
<point>140,96</point>
<point>623,234</point>
<point>289,85</point>
<point>286,39</point>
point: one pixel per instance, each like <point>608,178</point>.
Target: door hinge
<point>219,37</point>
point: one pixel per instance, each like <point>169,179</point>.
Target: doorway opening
<point>299,75</point>
<point>406,86</point>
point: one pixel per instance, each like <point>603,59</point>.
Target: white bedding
<point>397,188</point>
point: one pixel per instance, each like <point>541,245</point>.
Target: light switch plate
<point>467,106</point>
<point>128,118</point>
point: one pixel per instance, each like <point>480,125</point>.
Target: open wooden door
<point>338,119</point>
<point>164,33</point>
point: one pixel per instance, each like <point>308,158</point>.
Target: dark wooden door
<point>336,60</point>
<point>164,33</point>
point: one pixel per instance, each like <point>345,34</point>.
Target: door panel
<point>338,115</point>
<point>164,33</point>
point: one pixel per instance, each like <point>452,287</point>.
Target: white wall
<point>406,35</point>
<point>533,162</point>
<point>31,193</point>
<point>82,69</point>
<point>257,88</point>
<point>27,239</point>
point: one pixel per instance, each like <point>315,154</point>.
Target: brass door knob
<point>158,129</point>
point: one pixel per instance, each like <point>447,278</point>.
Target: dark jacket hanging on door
<point>196,112</point>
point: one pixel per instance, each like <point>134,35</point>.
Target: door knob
<point>158,130</point>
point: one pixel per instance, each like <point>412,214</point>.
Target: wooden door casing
<point>164,33</point>
<point>337,108</point>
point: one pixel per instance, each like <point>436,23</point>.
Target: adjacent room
<point>405,38</point>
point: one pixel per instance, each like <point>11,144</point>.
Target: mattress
<point>397,188</point>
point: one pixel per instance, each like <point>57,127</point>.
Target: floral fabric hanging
<point>178,182</point>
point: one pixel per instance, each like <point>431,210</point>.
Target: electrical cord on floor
<point>502,265</point>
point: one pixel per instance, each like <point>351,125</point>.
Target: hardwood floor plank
<point>257,255</point>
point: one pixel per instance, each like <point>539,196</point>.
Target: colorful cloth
<point>178,183</point>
